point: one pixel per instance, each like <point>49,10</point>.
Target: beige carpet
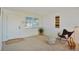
<point>35,43</point>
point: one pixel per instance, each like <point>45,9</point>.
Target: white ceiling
<point>44,10</point>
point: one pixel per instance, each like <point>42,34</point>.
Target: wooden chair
<point>71,43</point>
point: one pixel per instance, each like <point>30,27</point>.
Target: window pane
<point>31,22</point>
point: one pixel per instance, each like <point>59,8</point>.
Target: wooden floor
<point>13,41</point>
<point>35,43</point>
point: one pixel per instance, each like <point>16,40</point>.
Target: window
<point>57,21</point>
<point>31,22</point>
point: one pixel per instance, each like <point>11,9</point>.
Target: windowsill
<point>32,28</point>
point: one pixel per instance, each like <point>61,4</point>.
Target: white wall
<point>68,19</point>
<point>12,20</point>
